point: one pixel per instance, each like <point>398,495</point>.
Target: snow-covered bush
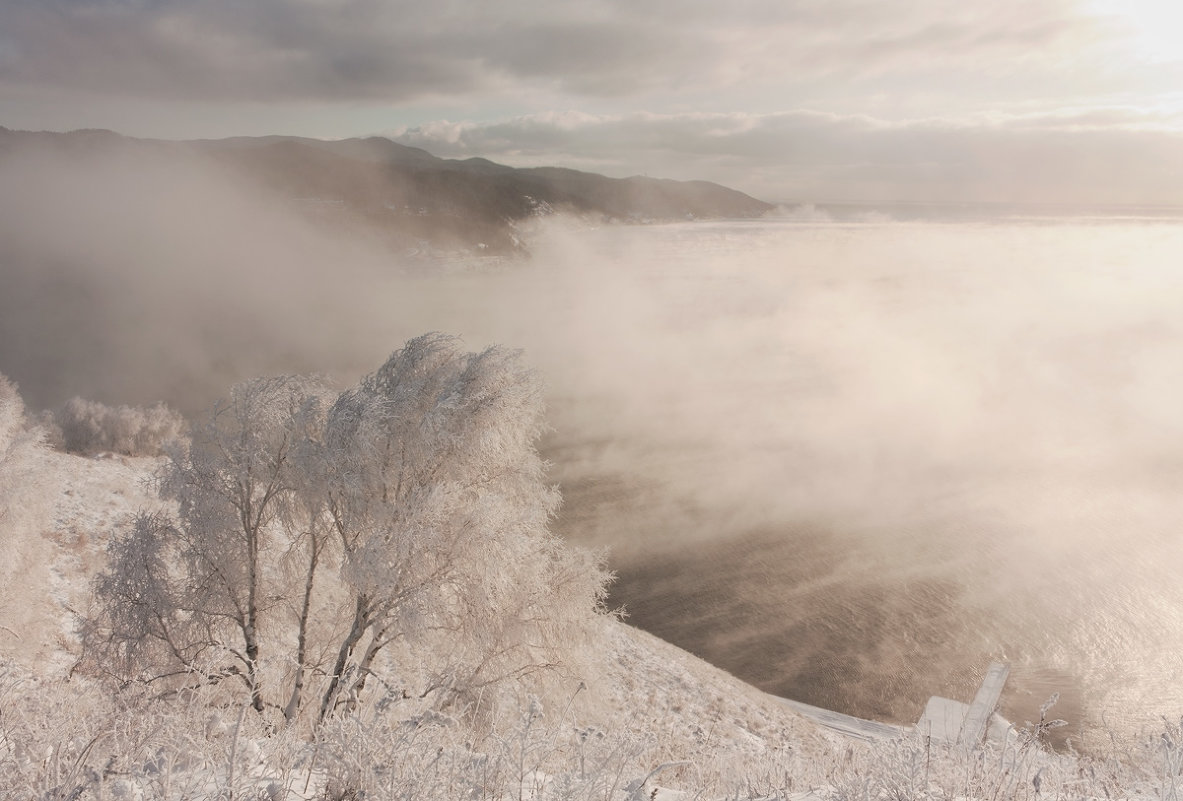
<point>88,427</point>
<point>1146,766</point>
<point>531,752</point>
<point>61,740</point>
<point>72,740</point>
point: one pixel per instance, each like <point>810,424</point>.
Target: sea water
<point>853,461</point>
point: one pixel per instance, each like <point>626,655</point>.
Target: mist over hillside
<point>413,199</point>
<point>141,270</point>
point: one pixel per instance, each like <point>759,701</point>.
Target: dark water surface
<point>854,463</point>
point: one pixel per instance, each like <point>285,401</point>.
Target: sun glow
<point>1153,27</point>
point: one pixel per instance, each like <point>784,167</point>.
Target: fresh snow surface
<point>695,725</point>
<point>72,506</point>
<point>716,723</point>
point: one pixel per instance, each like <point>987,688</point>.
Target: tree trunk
<point>293,707</point>
<point>363,667</point>
<point>252,665</point>
<point>251,631</point>
<point>356,632</point>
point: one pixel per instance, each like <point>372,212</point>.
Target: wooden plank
<point>845,724</point>
<point>942,720</point>
<point>977,719</point>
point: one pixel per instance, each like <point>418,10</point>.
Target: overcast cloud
<point>1116,155</point>
<point>399,51</point>
<point>784,98</point>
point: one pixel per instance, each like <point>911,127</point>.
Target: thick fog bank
<point>857,462</point>
<point>132,280</point>
<point>848,462</point>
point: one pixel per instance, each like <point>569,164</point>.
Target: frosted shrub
<point>89,427</point>
<point>1139,767</point>
<point>530,753</point>
<point>72,740</point>
<point>45,736</point>
<point>62,740</point>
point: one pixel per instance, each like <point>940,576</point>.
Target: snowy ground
<point>667,718</point>
<point>718,725</point>
<point>73,505</point>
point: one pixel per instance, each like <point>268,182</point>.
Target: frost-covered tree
<point>189,595</point>
<point>316,534</point>
<point>438,494</point>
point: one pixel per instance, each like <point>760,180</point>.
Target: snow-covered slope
<point>709,719</point>
<point>64,509</point>
<point>653,716</point>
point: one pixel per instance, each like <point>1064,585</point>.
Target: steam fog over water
<point>852,463</point>
<point>849,462</point>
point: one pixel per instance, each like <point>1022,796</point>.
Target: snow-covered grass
<point>651,722</point>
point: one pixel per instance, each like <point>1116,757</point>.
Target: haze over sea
<point>853,461</point>
<point>849,454</point>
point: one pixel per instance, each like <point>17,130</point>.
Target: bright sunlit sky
<point>790,100</point>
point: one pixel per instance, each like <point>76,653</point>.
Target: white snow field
<point>649,722</point>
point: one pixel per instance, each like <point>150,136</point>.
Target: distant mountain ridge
<point>415,197</point>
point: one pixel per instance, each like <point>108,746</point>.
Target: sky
<point>1046,101</point>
